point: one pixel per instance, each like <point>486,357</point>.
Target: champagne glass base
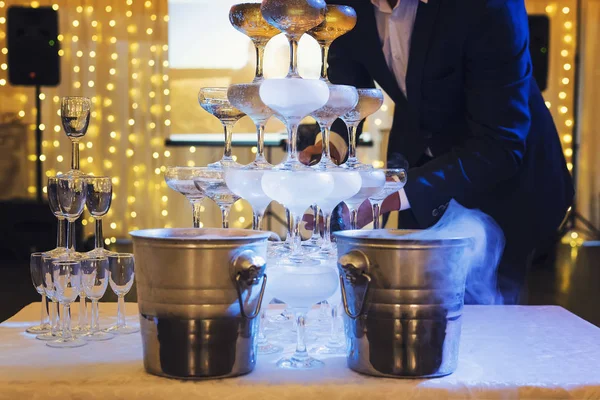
<point>80,330</point>
<point>295,362</point>
<point>357,165</point>
<point>73,173</point>
<point>49,336</point>
<point>99,252</point>
<point>122,330</point>
<point>269,348</point>
<point>56,253</point>
<point>37,329</point>
<point>98,336</point>
<point>330,349</point>
<point>67,343</point>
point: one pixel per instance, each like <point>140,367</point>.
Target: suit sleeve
<point>497,79</point>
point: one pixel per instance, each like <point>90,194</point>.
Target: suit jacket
<point>472,100</point>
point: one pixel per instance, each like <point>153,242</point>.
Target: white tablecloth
<point>506,352</point>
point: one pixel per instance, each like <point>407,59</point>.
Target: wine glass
<point>214,101</point>
<point>181,180</point>
<point>98,199</point>
<point>339,20</point>
<point>71,192</point>
<point>369,101</point>
<point>292,100</point>
<point>293,18</point>
<point>122,271</point>
<point>48,284</point>
<point>300,287</point>
<point>247,18</point>
<point>35,268</point>
<point>75,116</point>
<point>94,280</point>
<point>395,179</point>
<point>52,190</point>
<point>67,285</point>
<point>211,181</point>
<point>372,181</point>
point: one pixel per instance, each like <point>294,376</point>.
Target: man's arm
<point>497,78</point>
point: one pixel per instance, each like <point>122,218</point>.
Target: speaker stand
<point>38,142</point>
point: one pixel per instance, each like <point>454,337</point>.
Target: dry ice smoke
<point>480,260</point>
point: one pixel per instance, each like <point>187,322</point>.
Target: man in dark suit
<point>469,117</point>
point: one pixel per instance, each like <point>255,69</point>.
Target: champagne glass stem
<point>324,55</point>
<point>196,206</point>
<point>99,238</point>
<point>225,215</point>
<point>95,325</point>
<point>334,326</point>
<point>66,327</point>
<point>260,142</point>
<point>293,72</point>
<point>290,227</point>
<point>75,154</point>
<point>71,235</point>
<point>44,313</point>
<point>260,54</point>
<point>353,219</point>
<point>296,238</point>
<point>262,338</point>
<point>257,221</point>
<point>352,131</point>
<point>60,232</point>
<point>325,132</point>
<point>53,317</point>
<point>121,311</point>
<point>228,131</point>
<point>376,214</point>
<point>316,232</point>
<point>82,311</point>
<point>327,230</point>
<point>293,141</point>
<point>301,352</point>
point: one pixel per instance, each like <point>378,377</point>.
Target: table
<point>506,352</point>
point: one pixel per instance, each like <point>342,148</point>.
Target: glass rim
<point>121,255</point>
<point>75,97</point>
<point>65,262</point>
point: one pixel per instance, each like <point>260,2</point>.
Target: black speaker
<point>539,47</point>
<point>32,36</point>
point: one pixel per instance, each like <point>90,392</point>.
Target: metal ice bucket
<point>403,301</point>
<point>199,291</point>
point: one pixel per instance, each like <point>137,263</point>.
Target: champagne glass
<point>372,181</point>
<point>67,285</point>
<point>292,100</point>
<point>94,279</point>
<point>98,199</point>
<point>52,190</point>
<point>71,192</point>
<point>300,287</point>
<point>369,101</point>
<point>212,182</point>
<point>335,343</point>
<point>35,268</point>
<point>49,290</point>
<point>247,18</point>
<point>395,179</point>
<point>122,271</point>
<point>339,20</point>
<point>75,116</point>
<point>181,180</point>
<point>245,182</point>
<point>214,101</point>
<point>293,18</point>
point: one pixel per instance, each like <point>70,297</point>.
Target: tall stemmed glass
<point>214,101</point>
<point>212,182</point>
<point>98,199</point>
<point>247,18</point>
<point>395,179</point>
<point>48,283</point>
<point>181,180</point>
<point>122,271</point>
<point>35,268</point>
<point>52,190</point>
<point>369,101</point>
<point>67,284</point>
<point>75,116</point>
<point>95,281</point>
<point>71,200</point>
<point>293,18</point>
<point>300,288</point>
<point>339,20</point>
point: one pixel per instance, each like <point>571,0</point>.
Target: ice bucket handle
<point>248,269</point>
<point>354,265</point>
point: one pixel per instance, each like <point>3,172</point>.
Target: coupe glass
<point>300,287</point>
<point>292,100</point>
<point>297,190</point>
<point>247,18</point>
<point>94,280</point>
<point>369,101</point>
<point>293,18</point>
<point>75,116</point>
<point>67,285</point>
<point>372,181</point>
<point>214,101</point>
<point>212,182</point>
<point>52,190</point>
<point>245,182</point>
<point>48,283</point>
<point>35,268</point>
<point>339,20</point>
<point>395,179</point>
<point>98,199</point>
<point>181,180</point>
<point>122,270</point>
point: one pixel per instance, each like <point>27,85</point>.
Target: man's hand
<point>312,154</point>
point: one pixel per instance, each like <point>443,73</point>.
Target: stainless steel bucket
<point>199,291</point>
<point>403,300</point>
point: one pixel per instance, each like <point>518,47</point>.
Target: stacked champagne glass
<point>301,273</point>
<point>63,274</point>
